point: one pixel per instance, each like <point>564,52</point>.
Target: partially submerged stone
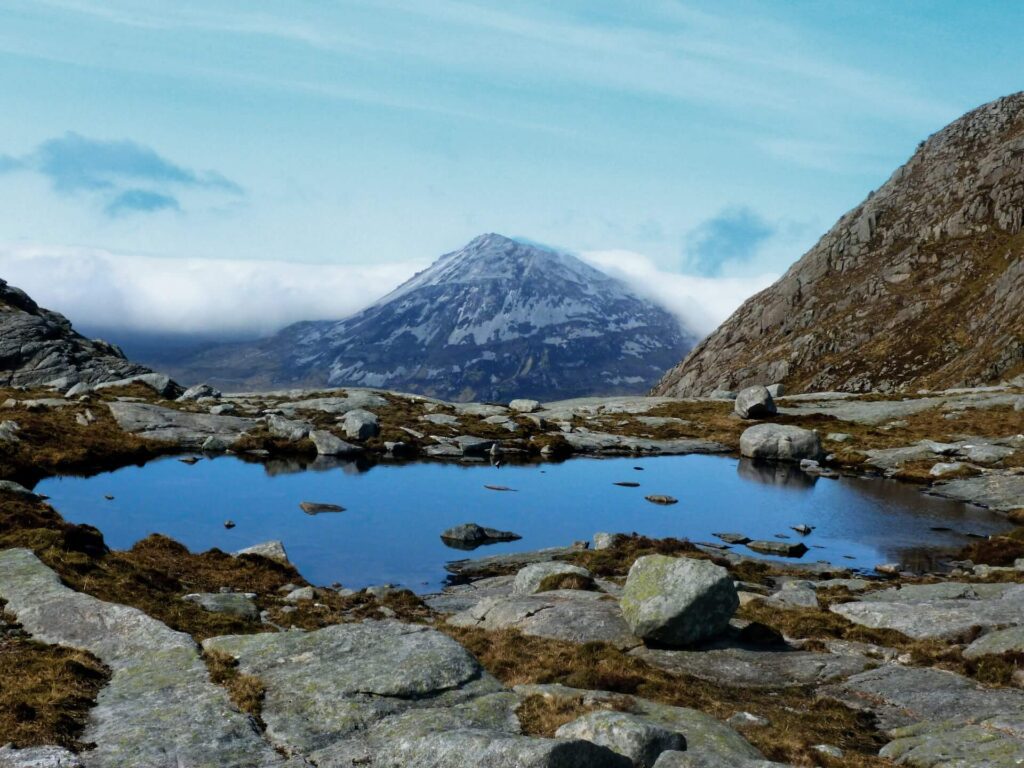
<point>778,548</point>
<point>678,601</point>
<point>319,507</point>
<point>471,536</point>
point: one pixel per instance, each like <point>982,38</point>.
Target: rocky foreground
<point>627,652</point>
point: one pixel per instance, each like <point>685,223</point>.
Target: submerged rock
<point>677,600</point>
<point>319,508</point>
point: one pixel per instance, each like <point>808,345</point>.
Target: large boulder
<point>678,601</point>
<point>291,430</point>
<point>530,579</point>
<point>780,442</point>
<point>360,424</point>
<point>755,403</point>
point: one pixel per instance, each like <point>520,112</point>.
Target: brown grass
<point>46,692</point>
<point>245,691</point>
<point>541,715</point>
<point>997,550</point>
<point>799,720</point>
<point>566,581</point>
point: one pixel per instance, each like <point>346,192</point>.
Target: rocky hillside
<point>39,347</point>
<point>495,320</point>
<point>920,286</point>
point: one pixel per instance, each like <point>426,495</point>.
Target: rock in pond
<point>658,498</point>
<point>678,601</point>
<point>779,548</point>
<point>471,536</point>
<point>319,508</point>
<point>530,579</point>
<point>780,442</point>
<point>634,736</point>
<point>755,403</point>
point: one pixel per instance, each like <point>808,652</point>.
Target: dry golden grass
<point>246,691</point>
<point>566,581</point>
<point>46,692</point>
<point>799,720</point>
<point>543,715</point>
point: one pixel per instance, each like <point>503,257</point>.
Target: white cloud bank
<point>702,303</point>
<point>99,289</point>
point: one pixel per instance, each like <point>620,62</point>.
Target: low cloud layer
<point>702,303</point>
<point>231,298</point>
<point>127,177</point>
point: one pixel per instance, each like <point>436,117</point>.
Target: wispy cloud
<point>75,164</point>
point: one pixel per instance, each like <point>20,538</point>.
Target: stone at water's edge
<point>272,550</point>
<point>329,444</point>
<point>780,442</point>
<point>755,403</point>
<point>184,429</point>
<point>360,424</point>
<point>677,600</point>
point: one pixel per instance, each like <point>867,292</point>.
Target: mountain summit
<point>920,286</point>
<point>497,319</point>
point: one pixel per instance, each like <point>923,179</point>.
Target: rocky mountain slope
<point>920,286</point>
<point>38,347</point>
<point>495,320</point>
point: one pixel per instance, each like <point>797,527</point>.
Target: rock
<point>443,451</point>
<point>793,596</point>
<point>755,403</point>
<point>997,642</point>
<point>514,561</point>
<point>162,385</point>
<point>732,538</point>
<point>291,430</point>
<point>634,736</point>
<point>722,394</point>
<point>767,669</point>
<point>803,529</point>
<point>779,548</point>
<point>441,419</point>
<point>197,392</point>
<point>223,409</point>
<point>9,431</point>
<point>272,550</point>
<point>747,720</point>
<point>397,448</point>
<point>889,569</point>
<point>300,593</point>
<point>678,601</point>
<point>232,603</point>
<point>360,424</point>
<point>185,430</point>
<point>229,524</point>
<point>38,757</point>
<point>1018,404</point>
<point>524,406</point>
<point>159,702</point>
<point>1000,491</point>
<point>604,540</point>
<point>838,437</point>
<point>662,499</point>
<point>214,444</point>
<point>780,442</point>
<point>572,615</point>
<point>946,468</point>
<point>473,446</point>
<point>776,390</point>
<point>829,750</point>
<point>319,508</point>
<point>471,535</point>
<point>79,389</point>
<point>529,579</point>
<point>387,694</point>
<point>948,610</point>
<point>328,444</point>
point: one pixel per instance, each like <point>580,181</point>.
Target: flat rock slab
<point>160,708</point>
<point>38,757</point>
<point>708,740</point>
<point>743,668</point>
<point>603,442</point>
<point>945,611</point>
<point>999,491</point>
<point>563,614</point>
<point>461,597</point>
<point>186,430</point>
<point>488,566</point>
<point>391,694</point>
<point>939,718</point>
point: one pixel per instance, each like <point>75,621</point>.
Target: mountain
<point>39,347</point>
<point>920,286</point>
<point>495,320</point>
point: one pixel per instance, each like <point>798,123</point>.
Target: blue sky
<point>718,139</point>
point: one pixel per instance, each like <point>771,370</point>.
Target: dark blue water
<point>395,513</point>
